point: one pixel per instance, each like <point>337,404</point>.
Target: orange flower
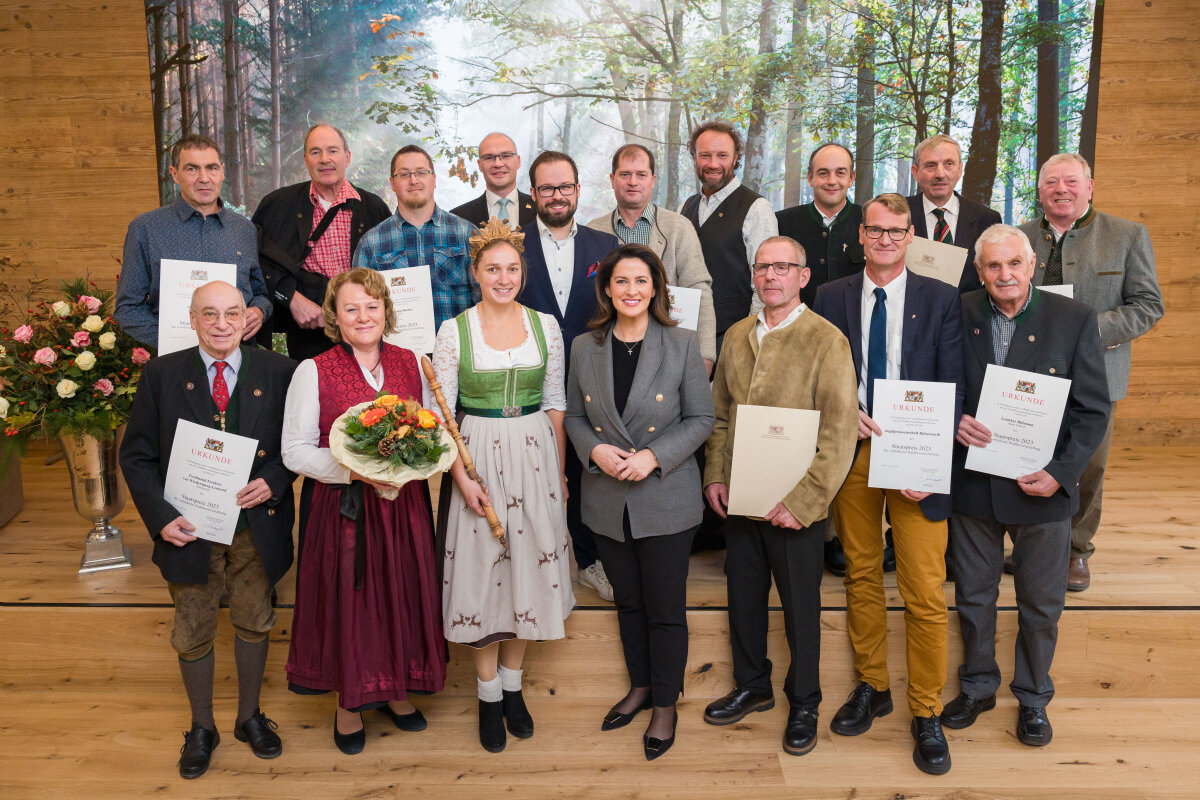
<point>426,419</point>
<point>371,416</point>
<point>387,400</point>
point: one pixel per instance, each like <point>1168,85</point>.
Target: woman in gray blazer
<point>639,405</point>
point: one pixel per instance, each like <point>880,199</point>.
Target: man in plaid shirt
<point>421,233</point>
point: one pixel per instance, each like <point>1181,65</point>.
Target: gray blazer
<point>674,240</point>
<point>669,410</point>
<point>1111,264</point>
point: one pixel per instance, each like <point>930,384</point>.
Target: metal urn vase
<point>99,492</point>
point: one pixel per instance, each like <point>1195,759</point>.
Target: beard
<point>557,218</point>
<point>714,185</point>
<point>415,202</point>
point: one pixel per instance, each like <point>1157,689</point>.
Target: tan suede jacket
<point>805,365</point>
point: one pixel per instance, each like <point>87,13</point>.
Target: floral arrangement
<point>67,368</point>
<point>392,441</point>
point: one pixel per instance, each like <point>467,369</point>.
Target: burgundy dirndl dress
<point>378,640</point>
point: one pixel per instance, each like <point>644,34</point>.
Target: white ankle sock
<point>510,679</point>
<point>490,691</point>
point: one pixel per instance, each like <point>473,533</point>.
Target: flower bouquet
<point>392,441</point>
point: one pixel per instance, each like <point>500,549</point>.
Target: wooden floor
<point>91,704</point>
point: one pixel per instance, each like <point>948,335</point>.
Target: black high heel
<point>656,747</point>
<point>615,719</point>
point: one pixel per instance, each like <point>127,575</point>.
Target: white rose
<point>85,360</point>
<point>92,324</point>
<point>3,407</point>
<point>3,351</point>
<point>66,388</point>
<point>62,308</point>
<point>108,340</point>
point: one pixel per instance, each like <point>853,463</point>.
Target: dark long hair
<point>660,304</point>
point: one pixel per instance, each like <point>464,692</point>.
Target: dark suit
<point>973,219</point>
<point>284,219</point>
<point>591,247</point>
<point>1057,337</point>
<point>829,253</point>
<point>477,212</point>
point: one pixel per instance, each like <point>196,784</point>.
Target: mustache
<point>1006,284</point>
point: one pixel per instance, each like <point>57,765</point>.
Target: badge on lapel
<point>593,269</point>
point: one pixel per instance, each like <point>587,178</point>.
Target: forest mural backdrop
<point>1013,80</point>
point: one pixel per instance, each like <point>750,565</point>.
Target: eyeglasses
<point>210,317</point>
<point>404,174</point>
<point>780,268</point>
<point>566,190</point>
<point>492,158</point>
<point>895,234</point>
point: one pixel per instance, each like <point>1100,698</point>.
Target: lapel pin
<point>976,331</point>
<point>720,213</point>
<point>191,386</point>
<point>258,392</point>
<point>1032,338</point>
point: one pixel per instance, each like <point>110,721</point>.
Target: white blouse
<point>526,354</point>
<point>302,424</point>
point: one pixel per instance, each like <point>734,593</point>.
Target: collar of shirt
<point>647,214</point>
<point>513,205</point>
<point>761,329</point>
<point>1086,219</point>
<point>546,234</point>
<point>438,219</point>
<point>719,197</point>
<point>951,206</point>
<point>1025,307</point>
<point>233,364</point>
<point>828,221</point>
<point>185,210</point>
<point>347,192</point>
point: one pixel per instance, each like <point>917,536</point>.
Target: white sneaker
<point>594,577</point>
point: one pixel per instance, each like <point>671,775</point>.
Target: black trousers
<point>583,540</point>
<point>756,551</point>
<point>649,580</point>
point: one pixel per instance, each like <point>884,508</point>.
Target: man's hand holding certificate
<point>208,483</point>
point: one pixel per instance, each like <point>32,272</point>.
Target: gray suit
<point>1110,263</point>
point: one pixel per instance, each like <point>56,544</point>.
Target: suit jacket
<point>931,349</point>
<point>669,410</point>
<point>477,212</point>
<point>175,387</point>
<point>973,219</point>
<point>1054,336</point>
<point>1110,262</point>
<point>590,248</point>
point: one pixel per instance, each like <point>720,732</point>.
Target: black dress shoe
<point>931,753</point>
<point>516,715</point>
<point>1033,726</point>
<point>350,744</point>
<point>656,747</point>
<point>889,552</point>
<point>491,726</point>
<point>835,557</point>
<point>961,711</point>
<point>259,731</point>
<point>615,719</point>
<point>737,704</point>
<point>800,735</point>
<point>414,721</point>
<point>198,744</point>
<point>863,705</point>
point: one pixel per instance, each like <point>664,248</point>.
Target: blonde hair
<point>373,284</point>
<point>893,203</point>
<point>1069,158</point>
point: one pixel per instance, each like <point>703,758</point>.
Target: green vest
<point>499,392</point>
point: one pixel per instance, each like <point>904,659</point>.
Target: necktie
<point>502,205</point>
<point>1053,275</point>
<point>220,388</point>
<point>941,231</point>
<point>876,347</point>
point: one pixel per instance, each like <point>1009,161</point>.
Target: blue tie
<point>877,347</point>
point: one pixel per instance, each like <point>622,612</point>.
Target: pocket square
<point>593,269</point>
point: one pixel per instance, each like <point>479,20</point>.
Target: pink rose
<point>140,356</point>
<point>104,386</point>
<point>90,303</point>
<point>45,356</point>
<point>23,334</point>
<point>81,339</point>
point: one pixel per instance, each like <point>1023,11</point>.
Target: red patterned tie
<point>220,388</point>
<point>941,231</point>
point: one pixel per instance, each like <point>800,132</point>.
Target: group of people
<point>596,434</point>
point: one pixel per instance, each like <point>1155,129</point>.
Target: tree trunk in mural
<point>157,29</point>
<point>864,109</point>
<point>233,157</point>
<point>1047,81</point>
<point>1087,128</point>
<point>979,175</point>
<point>794,165</point>
<point>756,133</point>
<point>674,113</point>
<point>276,137</point>
<point>183,51</point>
<point>951,70</point>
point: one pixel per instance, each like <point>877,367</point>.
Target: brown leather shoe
<point>1078,576</point>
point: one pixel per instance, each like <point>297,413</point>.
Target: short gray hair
<point>1066,158</point>
<point>934,141</point>
<point>998,233</point>
<point>788,241</point>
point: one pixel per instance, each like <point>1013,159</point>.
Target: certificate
<point>208,468</point>
<point>936,259</point>
<point>1024,411</point>
<point>1066,290</point>
<point>915,450</point>
<point>176,282</point>
<point>685,306</point>
<point>412,298</point>
<point>772,450</point>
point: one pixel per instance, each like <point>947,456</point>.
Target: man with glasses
<point>901,326</point>
<point>422,234</point>
<point>499,163</point>
<point>787,357</point>
<point>562,258</point>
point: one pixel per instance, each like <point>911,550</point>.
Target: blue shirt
<point>233,363</point>
<point>178,231</point>
<point>441,243</point>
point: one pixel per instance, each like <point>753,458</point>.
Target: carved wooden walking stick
<point>468,463</point>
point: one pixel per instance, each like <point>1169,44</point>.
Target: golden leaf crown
<point>493,230</point>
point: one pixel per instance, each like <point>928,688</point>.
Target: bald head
<point>218,316</point>
<point>499,163</point>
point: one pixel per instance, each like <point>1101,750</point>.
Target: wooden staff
<point>468,463</point>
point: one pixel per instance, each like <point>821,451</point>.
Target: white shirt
<point>760,224</point>
<point>233,363</point>
<point>560,261</point>
<point>514,209</point>
<point>931,221</point>
<point>895,328</point>
<point>302,424</point>
<point>761,328</point>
